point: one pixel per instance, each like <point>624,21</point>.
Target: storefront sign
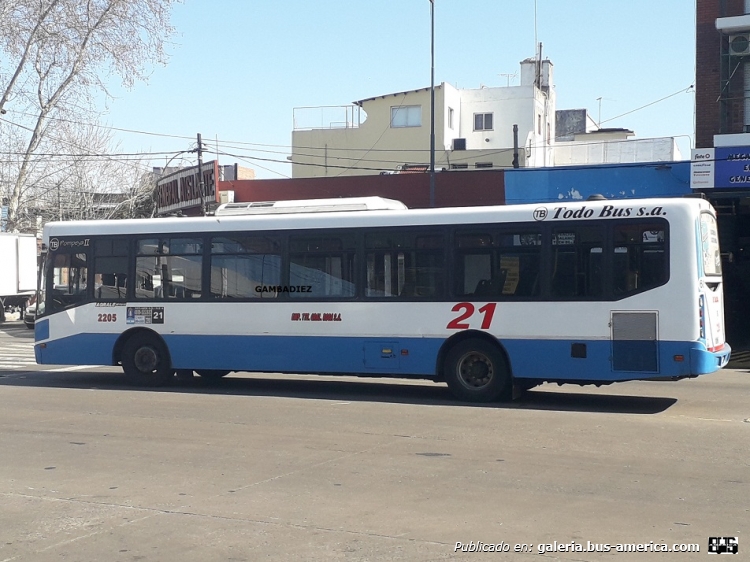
<point>702,168</point>
<point>723,167</point>
<point>180,190</point>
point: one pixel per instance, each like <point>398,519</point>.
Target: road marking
<point>73,368</point>
<point>17,355</point>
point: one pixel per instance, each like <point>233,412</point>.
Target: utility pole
<point>199,183</point>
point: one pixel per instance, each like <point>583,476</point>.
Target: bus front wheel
<point>476,371</point>
<point>145,360</point>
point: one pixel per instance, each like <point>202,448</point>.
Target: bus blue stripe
<point>535,359</point>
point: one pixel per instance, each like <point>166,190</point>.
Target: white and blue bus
<point>487,299</point>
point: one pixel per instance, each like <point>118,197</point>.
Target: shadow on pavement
<point>397,391</point>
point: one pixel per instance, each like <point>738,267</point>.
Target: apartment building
<point>474,129</point>
<point>481,128</point>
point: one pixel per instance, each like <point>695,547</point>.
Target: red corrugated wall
<point>452,189</point>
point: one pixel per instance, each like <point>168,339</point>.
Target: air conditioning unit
<point>739,45</point>
<point>226,197</point>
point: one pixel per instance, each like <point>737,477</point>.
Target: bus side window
<point>577,270</point>
<point>640,259</point>
<point>322,266</point>
<point>245,267</point>
<point>69,281</point>
<point>499,264</point>
<point>110,269</point>
<point>475,273</point>
<point>168,268</point>
<point>404,265</point>
<point>518,264</point>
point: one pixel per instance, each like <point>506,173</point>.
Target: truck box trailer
<point>18,269</point>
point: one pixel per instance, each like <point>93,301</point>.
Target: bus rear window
<point>710,245</point>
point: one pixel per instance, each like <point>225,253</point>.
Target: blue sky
<point>239,68</point>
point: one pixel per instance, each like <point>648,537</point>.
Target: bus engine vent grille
<point>634,341</point>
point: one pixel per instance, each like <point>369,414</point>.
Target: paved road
<point>16,346</point>
<point>308,468</point>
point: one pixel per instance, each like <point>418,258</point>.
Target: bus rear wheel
<point>476,371</point>
<point>145,360</point>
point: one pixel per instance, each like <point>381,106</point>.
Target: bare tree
<point>54,54</point>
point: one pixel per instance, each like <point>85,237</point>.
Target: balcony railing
<point>327,117</point>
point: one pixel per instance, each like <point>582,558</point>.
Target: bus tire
<point>145,360</point>
<point>212,374</point>
<point>476,371</point>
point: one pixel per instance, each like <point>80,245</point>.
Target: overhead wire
<point>678,92</point>
<point>238,146</point>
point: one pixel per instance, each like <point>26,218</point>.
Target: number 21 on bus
<point>467,315</point>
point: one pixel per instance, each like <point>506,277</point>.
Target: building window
<point>483,164</point>
<point>450,118</point>
<point>459,166</point>
<point>483,121</point>
<point>406,116</point>
<point>539,124</point>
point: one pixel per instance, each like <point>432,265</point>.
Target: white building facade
<point>474,128</point>
<point>502,127</point>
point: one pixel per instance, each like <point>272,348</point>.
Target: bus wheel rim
<point>475,370</point>
<point>146,360</point>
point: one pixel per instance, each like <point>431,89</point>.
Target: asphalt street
<point>264,467</point>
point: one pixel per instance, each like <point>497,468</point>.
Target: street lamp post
<point>199,183</point>
<point>432,103</point>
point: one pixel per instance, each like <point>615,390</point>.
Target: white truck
<point>18,270</point>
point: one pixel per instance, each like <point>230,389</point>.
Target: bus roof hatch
<point>311,206</point>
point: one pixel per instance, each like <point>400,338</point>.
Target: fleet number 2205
<point>469,314</point>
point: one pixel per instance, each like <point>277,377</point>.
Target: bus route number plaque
<point>145,315</point>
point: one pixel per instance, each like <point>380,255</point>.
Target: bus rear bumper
<point>703,361</point>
